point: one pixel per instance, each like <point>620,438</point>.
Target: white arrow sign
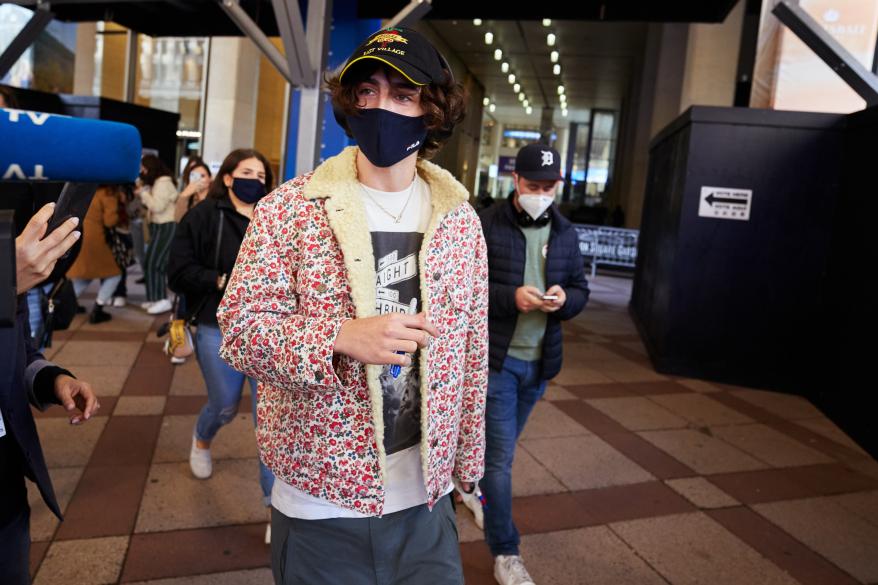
<point>725,203</point>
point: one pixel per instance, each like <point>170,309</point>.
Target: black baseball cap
<point>405,50</point>
<point>539,162</point>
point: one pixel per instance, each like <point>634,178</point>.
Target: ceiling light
<point>563,98</point>
<point>521,97</point>
<point>560,89</point>
<point>498,54</point>
<point>547,22</point>
<point>550,39</point>
<point>511,78</point>
<point>528,110</point>
<point>486,101</point>
<point>564,112</point>
<point>525,103</point>
<point>556,69</point>
<point>492,107</point>
<point>477,21</point>
<point>516,88</point>
<point>554,56</point>
<point>504,67</point>
<point>489,38</point>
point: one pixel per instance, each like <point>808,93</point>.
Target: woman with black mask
<point>204,251</point>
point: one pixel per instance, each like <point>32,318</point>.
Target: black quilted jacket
<point>506,259</point>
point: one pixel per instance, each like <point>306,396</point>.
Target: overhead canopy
<point>166,18</point>
<point>612,10</point>
<point>206,17</point>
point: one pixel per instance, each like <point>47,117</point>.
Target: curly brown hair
<point>444,103</point>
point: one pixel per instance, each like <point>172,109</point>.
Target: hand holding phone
<point>73,202</point>
<point>37,252</point>
<point>550,297</point>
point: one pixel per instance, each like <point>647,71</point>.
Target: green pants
<point>409,547</point>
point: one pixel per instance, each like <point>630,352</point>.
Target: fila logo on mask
<point>548,158</point>
<point>418,143</point>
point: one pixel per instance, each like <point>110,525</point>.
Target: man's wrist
<point>338,346</point>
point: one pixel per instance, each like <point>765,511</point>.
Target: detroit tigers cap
<point>539,162</point>
<point>405,50</point>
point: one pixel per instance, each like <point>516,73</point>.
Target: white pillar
<point>230,108</point>
<point>84,59</point>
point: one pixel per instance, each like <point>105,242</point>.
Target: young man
<point>360,302</point>
<point>536,281</point>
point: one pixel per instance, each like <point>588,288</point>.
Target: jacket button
<point>437,276</point>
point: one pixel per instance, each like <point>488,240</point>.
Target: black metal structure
<point>779,301</point>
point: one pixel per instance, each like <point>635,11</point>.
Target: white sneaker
<point>199,461</point>
<point>159,307</point>
<point>509,570</point>
<point>474,504</point>
<point>177,360</point>
<point>119,301</point>
<point>268,534</point>
<point>145,306</point>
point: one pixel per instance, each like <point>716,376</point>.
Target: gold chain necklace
<point>395,218</point>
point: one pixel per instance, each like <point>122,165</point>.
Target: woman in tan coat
<point>96,258</point>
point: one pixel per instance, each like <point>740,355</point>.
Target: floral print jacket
<point>305,267</point>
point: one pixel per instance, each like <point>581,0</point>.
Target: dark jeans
<point>409,547</point>
<point>512,394</point>
<point>14,517</point>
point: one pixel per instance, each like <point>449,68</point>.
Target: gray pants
<point>410,547</point>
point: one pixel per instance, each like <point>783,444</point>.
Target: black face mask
<point>248,190</point>
<point>386,137</point>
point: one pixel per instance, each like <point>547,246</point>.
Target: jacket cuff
<point>40,380</point>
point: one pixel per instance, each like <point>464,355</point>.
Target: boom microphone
<point>36,146</point>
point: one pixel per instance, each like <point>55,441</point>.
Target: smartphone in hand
<point>74,201</point>
<point>550,297</point>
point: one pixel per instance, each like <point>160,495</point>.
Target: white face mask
<point>535,205</point>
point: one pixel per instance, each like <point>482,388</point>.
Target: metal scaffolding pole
<point>311,106</point>
<point>41,18</point>
<point>233,9</point>
<point>412,13</point>
<point>854,73</point>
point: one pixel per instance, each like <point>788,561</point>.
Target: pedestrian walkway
<point>622,476</point>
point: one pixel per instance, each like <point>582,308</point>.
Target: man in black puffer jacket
<point>537,280</point>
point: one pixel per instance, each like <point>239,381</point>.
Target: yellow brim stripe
<point>385,61</point>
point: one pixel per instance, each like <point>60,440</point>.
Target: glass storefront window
<point>170,72</point>
<point>48,64</point>
<point>601,154</point>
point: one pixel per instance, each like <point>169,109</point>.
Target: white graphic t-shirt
<point>396,247</point>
